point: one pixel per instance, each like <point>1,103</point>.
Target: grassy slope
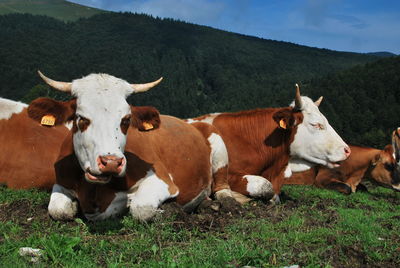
<point>320,228</point>
<point>58,9</point>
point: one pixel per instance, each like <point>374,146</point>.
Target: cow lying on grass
<point>164,156</point>
<point>28,150</point>
<point>260,143</point>
<point>363,163</point>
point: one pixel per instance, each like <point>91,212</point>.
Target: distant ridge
<point>382,54</point>
<point>59,9</point>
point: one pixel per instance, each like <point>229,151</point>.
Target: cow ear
<point>376,159</point>
<point>51,112</point>
<point>145,118</point>
<point>389,149</point>
<point>284,119</point>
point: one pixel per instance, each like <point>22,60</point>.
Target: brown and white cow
<point>260,143</point>
<point>363,163</point>
<point>28,150</point>
<point>118,156</point>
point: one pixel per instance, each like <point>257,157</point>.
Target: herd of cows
<point>102,156</point>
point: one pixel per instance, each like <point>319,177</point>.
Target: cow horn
<point>318,102</point>
<point>297,101</point>
<point>61,86</point>
<point>144,87</point>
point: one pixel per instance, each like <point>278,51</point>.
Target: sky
<point>343,25</point>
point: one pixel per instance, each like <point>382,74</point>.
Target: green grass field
<point>59,9</point>
<point>317,228</point>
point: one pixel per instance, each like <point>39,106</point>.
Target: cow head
<point>315,141</point>
<point>396,145</point>
<point>384,169</point>
<point>101,117</point>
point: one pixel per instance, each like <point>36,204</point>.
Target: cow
<point>363,163</point>
<point>28,150</point>
<point>118,156</point>
<point>260,143</point>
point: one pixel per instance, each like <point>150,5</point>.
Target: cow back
<point>28,152</point>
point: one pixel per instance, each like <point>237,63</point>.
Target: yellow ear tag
<point>48,120</point>
<point>282,124</point>
<point>147,126</point>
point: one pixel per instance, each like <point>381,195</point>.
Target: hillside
<point>205,70</point>
<point>362,102</point>
<point>58,9</point>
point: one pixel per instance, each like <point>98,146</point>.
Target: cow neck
<point>361,159</point>
<point>257,128</point>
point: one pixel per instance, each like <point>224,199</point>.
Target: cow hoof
<point>63,211</point>
<point>223,193</point>
<point>242,199</point>
<point>144,213</point>
<point>275,200</point>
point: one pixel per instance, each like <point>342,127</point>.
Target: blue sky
<point>344,25</point>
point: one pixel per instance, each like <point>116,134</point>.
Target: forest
<point>205,70</point>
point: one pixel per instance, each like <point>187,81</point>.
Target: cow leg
<point>219,161</point>
<point>362,188</point>
<point>115,208</point>
<point>149,193</point>
<point>63,204</point>
<point>251,185</point>
<point>339,186</point>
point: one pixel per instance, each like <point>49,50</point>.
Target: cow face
<point>315,141</point>
<point>384,169</point>
<point>101,118</point>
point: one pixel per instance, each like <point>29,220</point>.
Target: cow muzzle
<point>110,164</point>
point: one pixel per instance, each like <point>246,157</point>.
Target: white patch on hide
<point>219,153</point>
<point>208,119</point>
<point>299,165</point>
<point>10,107</point>
<point>147,195</point>
<point>288,172</point>
<point>259,187</point>
<point>63,204</point>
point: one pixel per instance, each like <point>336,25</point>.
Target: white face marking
<point>68,125</point>
<point>63,204</point>
<point>209,119</point>
<point>315,140</point>
<point>10,107</point>
<point>219,154</point>
<point>258,186</point>
<point>288,172</point>
<point>101,98</point>
<point>116,207</point>
<point>147,195</point>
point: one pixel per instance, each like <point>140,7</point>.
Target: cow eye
<point>83,123</point>
<point>318,126</point>
<point>390,167</point>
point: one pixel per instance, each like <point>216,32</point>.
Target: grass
<point>319,228</point>
<point>59,9</point>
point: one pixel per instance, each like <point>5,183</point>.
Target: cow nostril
<point>347,151</point>
<point>103,161</point>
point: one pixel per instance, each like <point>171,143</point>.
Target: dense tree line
<point>205,70</point>
<point>362,102</point>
